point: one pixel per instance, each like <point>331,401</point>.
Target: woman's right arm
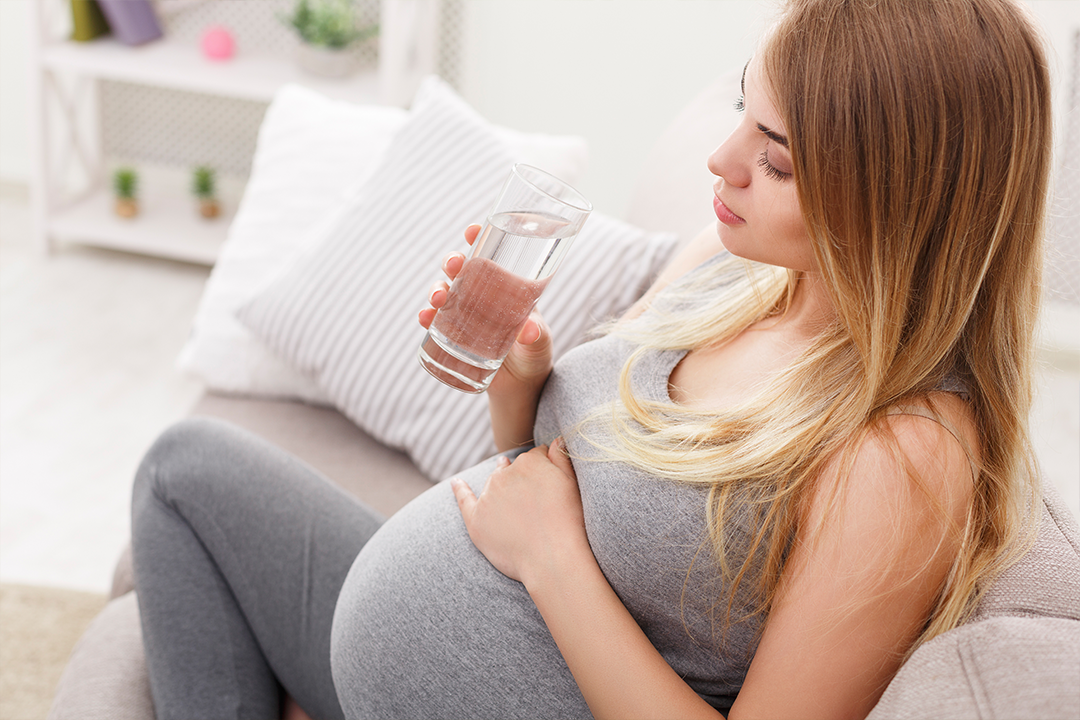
<point>515,390</point>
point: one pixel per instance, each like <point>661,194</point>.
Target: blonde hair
<point>920,137</point>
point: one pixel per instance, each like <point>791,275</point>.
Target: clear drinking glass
<point>529,230</point>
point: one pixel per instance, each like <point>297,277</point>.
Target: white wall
<point>614,71</point>
<point>617,71</point>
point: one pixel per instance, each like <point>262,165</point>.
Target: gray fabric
<point>650,536</point>
<point>421,595</point>
<point>239,553</point>
<point>382,478</point>
<point>1010,668</point>
<point>105,678</point>
<point>385,479</point>
<point>426,628</point>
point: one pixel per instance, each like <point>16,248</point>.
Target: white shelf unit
<point>182,67</point>
<point>71,195</point>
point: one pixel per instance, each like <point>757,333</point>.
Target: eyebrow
<point>771,134</point>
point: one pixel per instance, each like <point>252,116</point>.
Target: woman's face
<point>756,202</point>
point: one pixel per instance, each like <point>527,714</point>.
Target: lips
<point>724,214</point>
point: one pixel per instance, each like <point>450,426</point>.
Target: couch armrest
<point>1005,667</point>
<point>106,678</point>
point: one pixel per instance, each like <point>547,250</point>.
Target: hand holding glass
<point>527,233</point>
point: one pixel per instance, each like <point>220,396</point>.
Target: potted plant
<point>125,187</point>
<point>327,29</point>
<point>204,187</point>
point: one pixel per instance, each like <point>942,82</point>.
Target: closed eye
<point>771,171</point>
<point>739,104</point>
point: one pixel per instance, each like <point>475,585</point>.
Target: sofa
<point>1018,657</point>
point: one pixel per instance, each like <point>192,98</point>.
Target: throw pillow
<point>312,156</point>
<point>345,312</point>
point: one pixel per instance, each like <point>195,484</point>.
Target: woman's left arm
<point>864,573</point>
<point>529,523</point>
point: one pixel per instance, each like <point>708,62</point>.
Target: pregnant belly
<point>426,627</point>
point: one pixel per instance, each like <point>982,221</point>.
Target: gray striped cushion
<point>345,313</point>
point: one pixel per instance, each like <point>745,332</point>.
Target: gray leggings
<point>240,551</point>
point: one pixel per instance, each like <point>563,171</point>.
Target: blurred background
<point>613,71</point>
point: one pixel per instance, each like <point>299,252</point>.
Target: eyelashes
<point>770,170</point>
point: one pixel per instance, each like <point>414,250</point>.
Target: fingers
<point>466,500</point>
<point>436,298</point>
<point>559,457</point>
<point>437,294</point>
<point>471,232</point>
<point>533,330</point>
<point>530,332</point>
<point>452,264</point>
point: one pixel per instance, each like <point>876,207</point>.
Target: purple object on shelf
<point>133,22</point>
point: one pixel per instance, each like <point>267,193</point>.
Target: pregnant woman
<point>801,455</point>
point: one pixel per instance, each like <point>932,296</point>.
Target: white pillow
<point>313,155</point>
<point>345,312</point>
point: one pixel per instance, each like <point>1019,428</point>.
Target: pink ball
<point>217,43</point>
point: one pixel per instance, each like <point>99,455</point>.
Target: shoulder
<point>912,472</point>
<point>937,441</point>
<point>873,551</point>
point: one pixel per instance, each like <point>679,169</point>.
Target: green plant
<point>203,182</point>
<point>125,183</point>
<point>327,23</point>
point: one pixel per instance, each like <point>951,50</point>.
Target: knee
<point>176,460</point>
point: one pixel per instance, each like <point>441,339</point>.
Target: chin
<point>732,244</point>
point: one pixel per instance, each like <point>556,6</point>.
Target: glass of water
<point>529,230</point>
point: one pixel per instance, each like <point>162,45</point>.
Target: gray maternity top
<point>426,628</point>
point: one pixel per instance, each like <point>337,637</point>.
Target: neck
<point>810,312</point>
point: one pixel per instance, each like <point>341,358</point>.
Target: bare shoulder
<point>883,526</point>
<point>935,446</point>
<point>910,478</point>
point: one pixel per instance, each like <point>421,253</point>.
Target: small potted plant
<point>125,187</point>
<point>327,29</point>
<point>204,187</point>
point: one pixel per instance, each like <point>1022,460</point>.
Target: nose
<point>731,164</point>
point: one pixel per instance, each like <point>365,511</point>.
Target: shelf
<point>168,224</point>
<point>172,65</point>
<point>68,138</point>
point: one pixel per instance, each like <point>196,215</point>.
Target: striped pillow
<point>345,312</point>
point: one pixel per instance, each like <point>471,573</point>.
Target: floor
<point>88,341</point>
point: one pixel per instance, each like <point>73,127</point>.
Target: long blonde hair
<point>921,140</point>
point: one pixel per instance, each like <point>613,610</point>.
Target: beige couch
<point>1019,657</point>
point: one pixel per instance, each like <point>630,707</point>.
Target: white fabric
<point>345,313</point>
<point>312,157</point>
